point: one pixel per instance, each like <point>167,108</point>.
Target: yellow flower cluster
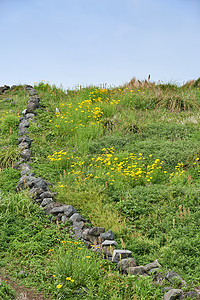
<point>58,156</point>
<point>178,170</point>
<point>108,165</point>
<point>75,115</point>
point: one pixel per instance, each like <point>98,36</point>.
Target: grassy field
<point>128,159</point>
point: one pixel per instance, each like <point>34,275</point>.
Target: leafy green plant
<point>8,156</point>
<point>9,123</point>
<point>6,291</point>
<point>9,179</point>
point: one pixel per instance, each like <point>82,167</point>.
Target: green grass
<point>128,159</point>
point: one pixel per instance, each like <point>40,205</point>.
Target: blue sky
<point>73,42</point>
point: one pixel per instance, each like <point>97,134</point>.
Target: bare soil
<point>22,292</point>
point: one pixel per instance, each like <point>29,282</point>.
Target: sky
<point>94,42</point>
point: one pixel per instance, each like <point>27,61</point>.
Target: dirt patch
<point>22,292</point>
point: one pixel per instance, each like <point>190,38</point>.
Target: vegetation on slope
<point>128,159</point>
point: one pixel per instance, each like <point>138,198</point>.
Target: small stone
<point>46,201</point>
<point>108,235</point>
<point>24,124</point>
<point>40,183</point>
<point>32,92</point>
<point>23,131</point>
<point>124,264</point>
<point>26,154</point>
<point>23,145</point>
<point>85,234</point>
<point>120,254</point>
<point>69,211</point>
<point>76,218</point>
<point>140,270</point>
<point>31,106</point>
<point>48,208</point>
<point>152,265</point>
<point>64,219</point>
<point>36,192</point>
<point>24,182</point>
<point>173,275</point>
<point>78,231</point>
<point>17,164</point>
<point>24,112</point>
<point>173,294</point>
<point>107,251</point>
<point>109,243</point>
<point>96,230</point>
<point>30,116</point>
<point>46,195</point>
<point>25,139</point>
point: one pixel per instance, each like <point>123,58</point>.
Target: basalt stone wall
<point>95,238</point>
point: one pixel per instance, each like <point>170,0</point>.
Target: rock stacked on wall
<point>95,238</point>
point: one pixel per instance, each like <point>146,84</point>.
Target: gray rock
<point>124,264</point>
<point>76,218</point>
<point>23,145</point>
<point>109,243</point>
<point>23,166</point>
<point>31,106</point>
<point>140,270</point>
<point>46,201</point>
<point>36,192</point>
<point>30,180</point>
<point>25,139</point>
<point>26,154</point>
<point>28,87</point>
<point>23,131</point>
<point>108,235</point>
<point>93,239</point>
<point>30,116</point>
<point>57,210</point>
<point>32,92</point>
<point>47,195</point>
<point>152,265</point>
<point>24,124</point>
<point>173,275</point>
<point>107,251</point>
<point>78,231</point>
<point>120,254</point>
<point>48,208</point>
<point>85,234</point>
<point>64,219</point>
<point>25,172</point>
<point>24,112</point>
<point>67,210</point>
<point>96,230</point>
<point>40,183</point>
<point>17,164</point>
<point>25,182</point>
<point>173,294</point>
